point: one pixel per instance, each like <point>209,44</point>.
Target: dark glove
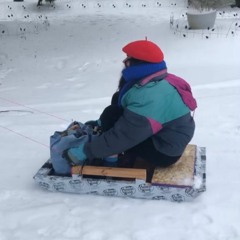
<point>93,123</point>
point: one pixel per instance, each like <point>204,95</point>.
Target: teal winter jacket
<point>159,107</point>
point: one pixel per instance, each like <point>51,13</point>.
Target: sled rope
<point>26,137</point>
<point>34,109</point>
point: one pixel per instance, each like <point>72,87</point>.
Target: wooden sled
<point>182,181</point>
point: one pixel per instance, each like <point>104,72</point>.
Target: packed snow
<point>62,62</point>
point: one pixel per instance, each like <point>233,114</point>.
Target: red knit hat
<point>144,50</point>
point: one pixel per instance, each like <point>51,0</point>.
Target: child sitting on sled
<point>149,116</point>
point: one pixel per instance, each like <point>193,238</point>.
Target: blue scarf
<point>135,73</point>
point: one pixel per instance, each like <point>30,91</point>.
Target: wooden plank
<point>110,172</point>
<point>76,170</point>
<point>180,173</point>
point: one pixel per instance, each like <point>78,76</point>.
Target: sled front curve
<point>181,182</point>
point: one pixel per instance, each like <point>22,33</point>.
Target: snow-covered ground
<point>62,63</point>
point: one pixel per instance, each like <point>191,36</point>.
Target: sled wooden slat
<point>179,174</point>
<point>110,172</point>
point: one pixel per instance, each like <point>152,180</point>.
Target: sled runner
<point>182,181</point>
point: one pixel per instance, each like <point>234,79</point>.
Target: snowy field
<point>62,63</point>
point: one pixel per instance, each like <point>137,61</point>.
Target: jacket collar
<point>155,76</point>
